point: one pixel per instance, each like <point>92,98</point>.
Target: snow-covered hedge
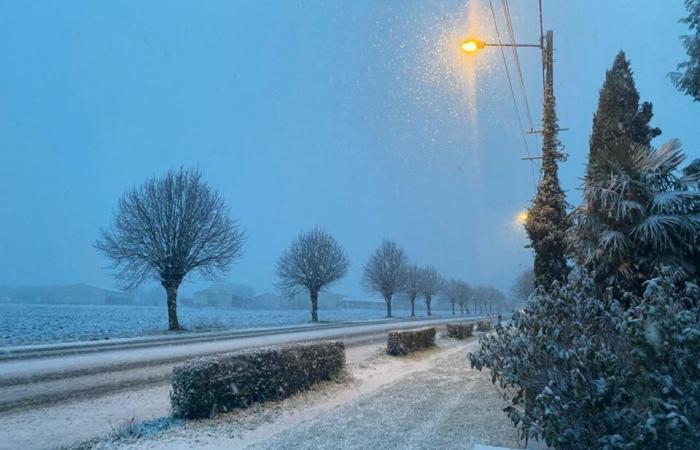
<point>484,325</point>
<point>406,341</point>
<point>460,330</point>
<point>602,373</point>
<point>205,386</point>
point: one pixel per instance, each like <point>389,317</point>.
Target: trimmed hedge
<point>406,341</point>
<point>484,325</point>
<point>205,386</point>
<point>460,330</point>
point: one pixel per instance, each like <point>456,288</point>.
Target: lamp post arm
<point>514,45</point>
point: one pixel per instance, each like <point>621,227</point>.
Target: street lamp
<point>471,46</point>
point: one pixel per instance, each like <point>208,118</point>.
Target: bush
<point>484,325</point>
<point>589,373</point>
<point>460,330</point>
<point>203,387</point>
<point>407,341</point>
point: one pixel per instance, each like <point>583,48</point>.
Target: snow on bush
<point>484,325</point>
<point>407,341</point>
<point>460,330</point>
<point>587,373</point>
<point>203,387</point>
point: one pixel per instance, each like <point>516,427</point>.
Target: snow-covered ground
<point>30,324</point>
<point>431,399</point>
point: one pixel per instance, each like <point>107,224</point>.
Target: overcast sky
<point>359,116</point>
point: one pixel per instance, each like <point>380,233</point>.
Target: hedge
<point>460,330</point>
<point>484,325</point>
<point>406,341</point>
<point>205,386</point>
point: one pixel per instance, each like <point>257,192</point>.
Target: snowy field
<point>30,324</point>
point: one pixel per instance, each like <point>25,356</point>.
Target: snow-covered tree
<point>430,285</point>
<point>168,228</point>
<point>547,222</point>
<point>639,221</point>
<point>619,124</point>
<point>464,294</point>
<point>524,286</point>
<point>412,285</point>
<point>385,272</point>
<point>584,372</point>
<point>687,79</point>
<point>450,289</point>
<point>312,262</point>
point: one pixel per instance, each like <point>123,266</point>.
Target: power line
<point>542,45</point>
<point>516,58</point>
<point>512,92</point>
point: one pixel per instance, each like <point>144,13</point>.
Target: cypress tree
<point>619,124</point>
<point>547,221</point>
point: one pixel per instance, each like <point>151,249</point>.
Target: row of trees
<point>176,225</point>
<point>315,260</point>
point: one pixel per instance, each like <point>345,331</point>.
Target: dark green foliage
<point>460,330</point>
<point>692,169</point>
<point>619,124</point>
<point>406,341</point>
<point>203,387</point>
<point>587,373</point>
<point>484,325</point>
<point>639,221</point>
<point>547,219</point>
<point>687,79</point>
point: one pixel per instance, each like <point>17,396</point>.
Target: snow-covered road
<point>42,380</point>
<point>55,401</point>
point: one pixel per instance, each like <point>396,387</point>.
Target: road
<point>33,376</point>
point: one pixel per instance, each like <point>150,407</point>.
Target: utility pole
<point>548,61</point>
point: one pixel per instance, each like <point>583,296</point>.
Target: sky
<point>361,117</point>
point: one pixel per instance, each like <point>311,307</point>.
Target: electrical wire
<point>512,93</point>
<point>542,45</point>
<point>516,58</point>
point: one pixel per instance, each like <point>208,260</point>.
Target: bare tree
<point>450,289</point>
<point>431,283</point>
<point>168,228</point>
<point>458,293</point>
<point>312,262</point>
<point>523,286</point>
<point>412,285</point>
<point>464,293</point>
<point>385,271</point>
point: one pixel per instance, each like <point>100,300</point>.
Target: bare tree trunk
<point>171,288</point>
<point>387,299</point>
<point>428,299</point>
<point>314,306</point>
<point>453,309</point>
<point>413,306</point>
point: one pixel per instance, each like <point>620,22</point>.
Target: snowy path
<point>427,400</point>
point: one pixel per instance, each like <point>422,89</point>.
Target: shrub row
<point>484,325</point>
<point>205,386</point>
<point>460,330</point>
<point>406,341</point>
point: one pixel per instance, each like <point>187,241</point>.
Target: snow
<point>31,324</point>
<point>430,399</point>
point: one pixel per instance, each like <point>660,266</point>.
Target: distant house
<point>75,294</point>
<point>220,296</point>
<point>362,304</point>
